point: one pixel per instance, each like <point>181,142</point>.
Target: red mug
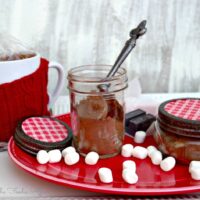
<point>23,91</point>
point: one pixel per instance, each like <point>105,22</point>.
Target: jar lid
<point>44,129</point>
<point>42,132</point>
<point>184,114</point>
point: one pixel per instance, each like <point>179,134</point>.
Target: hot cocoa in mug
<point>23,90</point>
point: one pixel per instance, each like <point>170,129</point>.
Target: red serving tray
<point>152,180</point>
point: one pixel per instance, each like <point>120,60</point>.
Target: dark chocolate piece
<point>133,114</point>
<point>128,130</point>
<point>141,123</point>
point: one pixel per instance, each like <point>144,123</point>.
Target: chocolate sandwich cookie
<point>36,133</point>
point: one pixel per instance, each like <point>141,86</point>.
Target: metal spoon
<point>129,45</point>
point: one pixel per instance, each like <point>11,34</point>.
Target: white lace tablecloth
<point>17,184</point>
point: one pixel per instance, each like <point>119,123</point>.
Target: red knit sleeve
<point>23,98</point>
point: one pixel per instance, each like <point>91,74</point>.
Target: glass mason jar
<point>177,129</point>
<point>97,114</point>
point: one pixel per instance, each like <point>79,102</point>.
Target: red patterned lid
<point>184,108</point>
<point>44,129</point>
<point>182,115</point>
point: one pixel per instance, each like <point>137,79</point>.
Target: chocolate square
<point>133,114</point>
<point>141,123</point>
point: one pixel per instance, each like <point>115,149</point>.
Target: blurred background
<point>78,32</point>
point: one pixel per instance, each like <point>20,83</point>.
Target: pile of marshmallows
<point>129,175</point>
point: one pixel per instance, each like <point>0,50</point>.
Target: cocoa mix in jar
<point>97,116</point>
<point>177,129</point>
<point>100,124</point>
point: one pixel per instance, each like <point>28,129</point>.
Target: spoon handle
<point>129,45</point>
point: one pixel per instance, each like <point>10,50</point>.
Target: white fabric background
<point>78,32</point>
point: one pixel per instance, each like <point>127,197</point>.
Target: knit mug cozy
<point>25,97</point>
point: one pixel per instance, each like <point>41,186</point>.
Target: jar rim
<point>78,78</point>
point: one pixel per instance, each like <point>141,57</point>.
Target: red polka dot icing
<point>184,108</point>
<point>44,129</point>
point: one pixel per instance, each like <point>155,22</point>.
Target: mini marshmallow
<point>193,165</point>
<point>129,164</point>
<point>92,158</point>
<point>156,157</point>
<point>71,158</point>
<point>151,149</point>
<point>129,176</point>
<point>195,173</point>
<point>55,156</point>
<point>139,136</point>
<point>68,150</point>
<point>139,152</point>
<point>42,157</point>
<point>195,177</point>
<point>105,175</point>
<point>127,150</point>
<point>168,164</point>
<point>195,170</point>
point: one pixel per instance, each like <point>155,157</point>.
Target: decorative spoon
<point>129,45</point>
